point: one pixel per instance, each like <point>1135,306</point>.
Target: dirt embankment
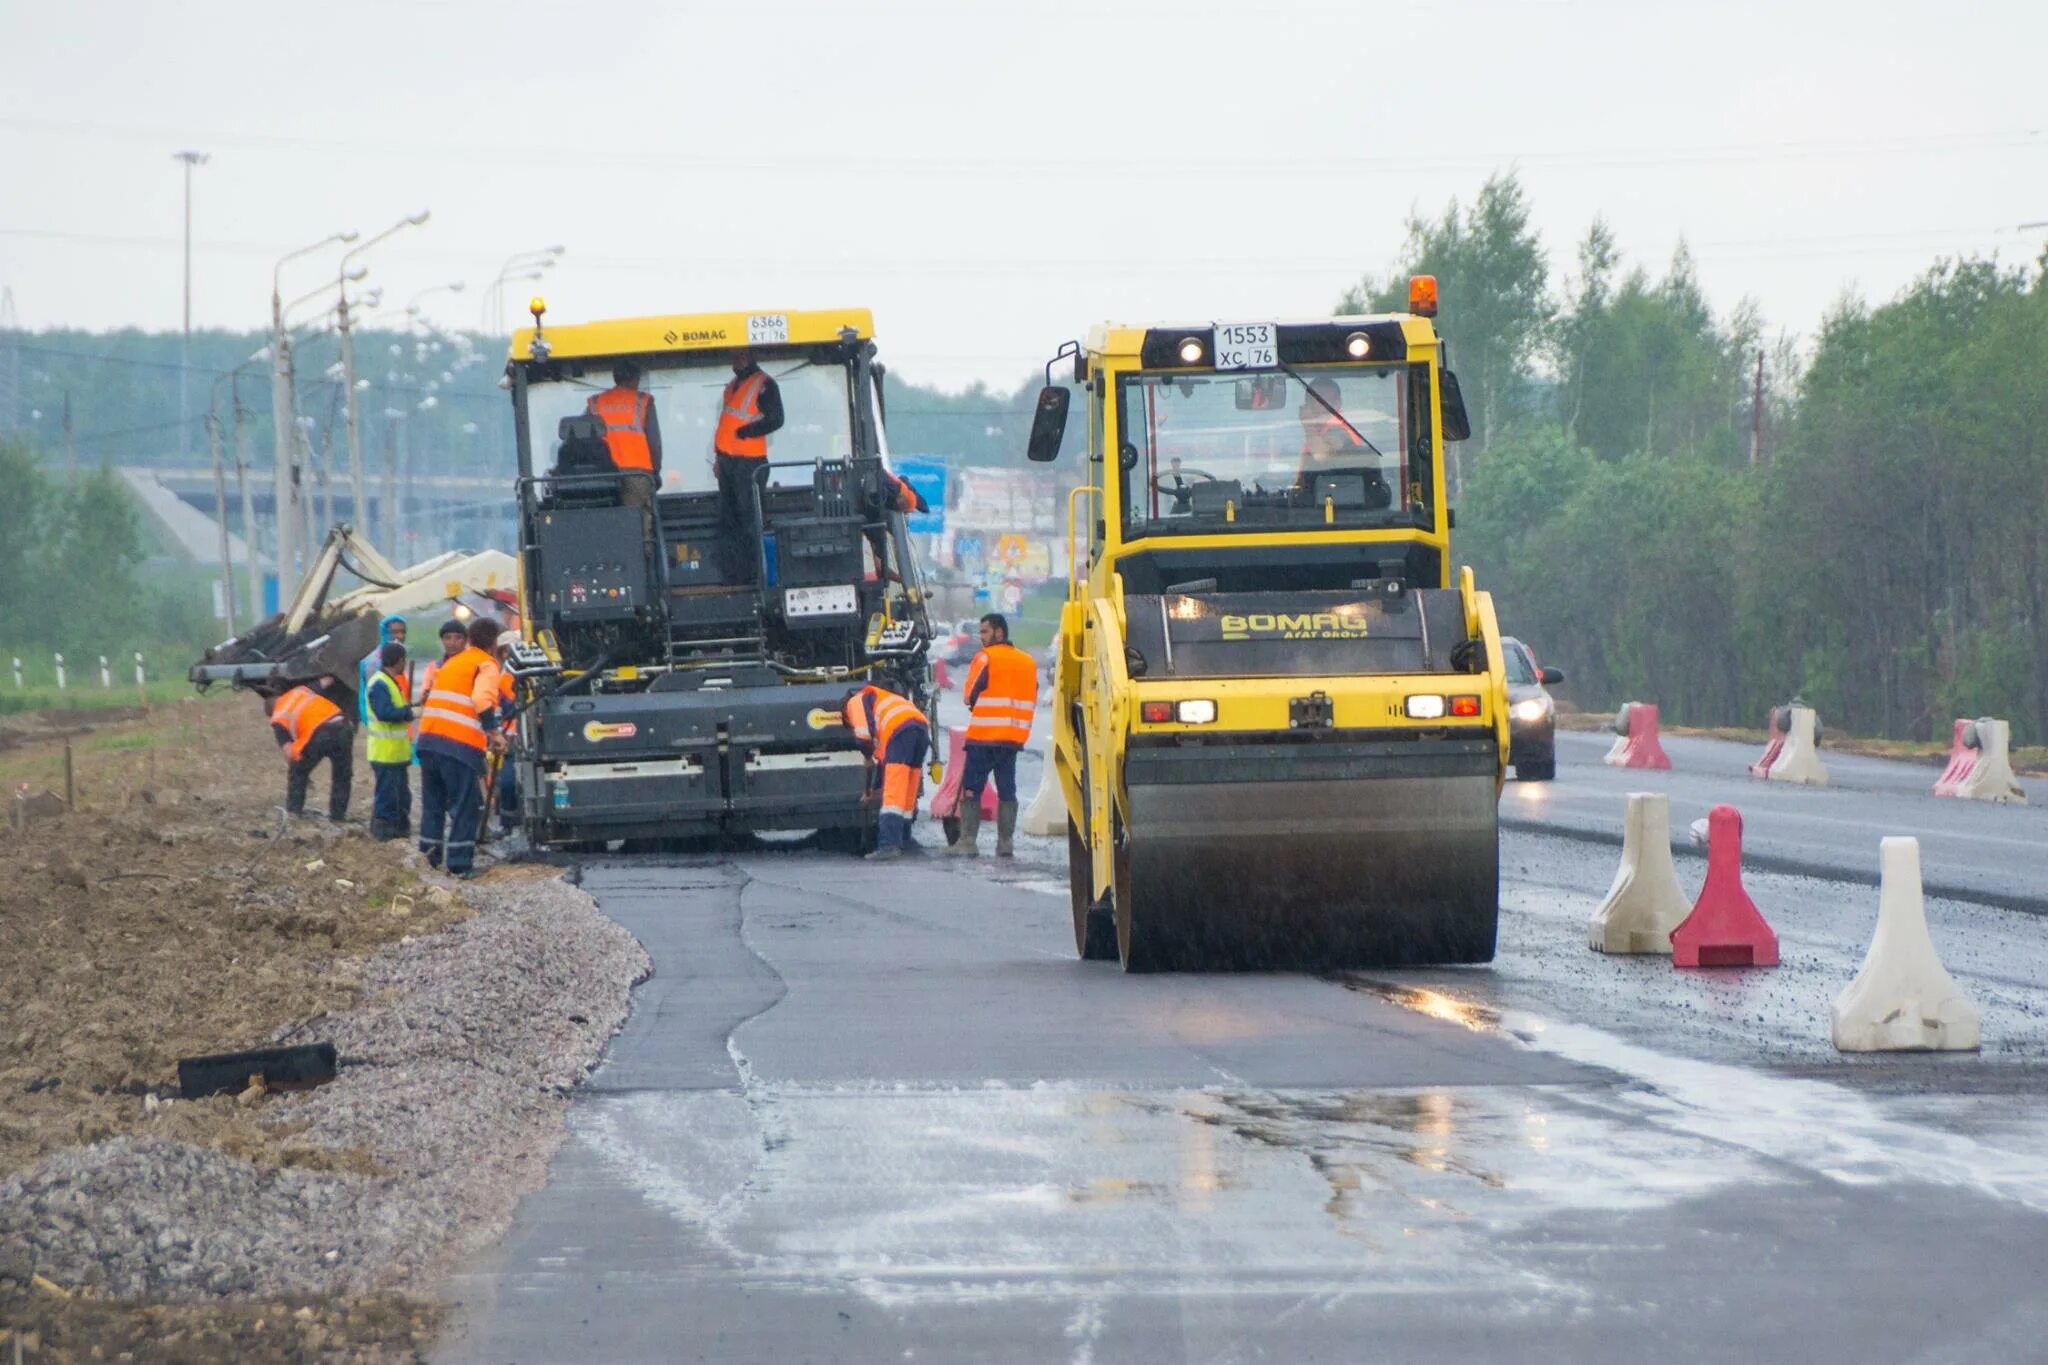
<point>175,912</point>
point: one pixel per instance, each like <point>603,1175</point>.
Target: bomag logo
<point>1319,625</point>
<point>707,334</point>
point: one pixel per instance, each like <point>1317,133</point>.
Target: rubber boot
<point>1006,829</point>
<point>970,825</point>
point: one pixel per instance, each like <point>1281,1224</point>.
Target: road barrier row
<point>1902,999</point>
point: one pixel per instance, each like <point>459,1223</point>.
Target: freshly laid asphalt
<point>869,1112</point>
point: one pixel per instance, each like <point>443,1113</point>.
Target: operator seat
<point>584,475</point>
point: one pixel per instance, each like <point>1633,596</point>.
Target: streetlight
<point>190,159</point>
<point>412,306</point>
<point>281,409</point>
<point>494,299</point>
<point>357,489</point>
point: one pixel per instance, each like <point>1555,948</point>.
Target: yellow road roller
<point>1280,714</point>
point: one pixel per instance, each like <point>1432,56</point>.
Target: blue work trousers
<point>984,760</point>
<point>451,802</point>
<point>390,800</point>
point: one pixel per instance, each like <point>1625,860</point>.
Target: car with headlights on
<point>1532,715</point>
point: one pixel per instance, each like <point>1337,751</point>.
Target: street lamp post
<point>190,159</point>
<point>283,419</point>
<point>494,295</point>
<point>357,488</point>
<point>220,507</point>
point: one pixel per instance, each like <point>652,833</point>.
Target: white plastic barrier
<point>1620,727</point>
<point>1799,759</point>
<point>1990,777</point>
<point>1046,815</point>
<point>1645,903</point>
<point>1903,999</point>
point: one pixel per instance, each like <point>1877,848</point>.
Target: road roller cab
<point>1280,720</point>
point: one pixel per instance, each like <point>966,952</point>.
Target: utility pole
<point>283,418</point>
<point>1756,414</point>
<point>387,521</point>
<point>248,501</point>
<point>220,514</point>
<point>190,159</point>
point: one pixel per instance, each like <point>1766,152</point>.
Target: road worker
<point>895,736</point>
<point>632,433</point>
<point>458,728</point>
<point>1330,445</point>
<point>310,727</point>
<point>1002,698</point>
<point>388,699</point>
<point>390,629</point>
<point>750,411</point>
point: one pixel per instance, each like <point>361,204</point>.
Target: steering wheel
<point>1180,489</point>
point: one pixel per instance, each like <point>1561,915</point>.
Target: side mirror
<point>1550,677</point>
<point>1457,427</point>
<point>1048,424</point>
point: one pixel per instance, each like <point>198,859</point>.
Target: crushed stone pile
<point>456,1066</point>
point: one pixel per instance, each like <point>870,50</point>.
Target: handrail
<point>1073,558</point>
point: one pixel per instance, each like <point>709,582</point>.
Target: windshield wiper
<point>1325,403</point>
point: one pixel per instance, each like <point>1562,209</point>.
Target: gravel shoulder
<point>312,1225</point>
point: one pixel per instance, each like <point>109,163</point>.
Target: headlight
<point>1534,708</point>
<point>1198,713</point>
<point>1425,708</point>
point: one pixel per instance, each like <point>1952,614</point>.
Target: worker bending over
<point>750,411</point>
<point>631,432</point>
<point>458,727</point>
<point>1002,698</point>
<point>895,736</point>
<point>388,701</point>
<point>311,727</point>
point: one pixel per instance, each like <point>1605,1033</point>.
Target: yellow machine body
<point>1295,757</point>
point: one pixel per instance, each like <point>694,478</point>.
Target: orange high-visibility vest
<point>464,688</point>
<point>299,713</point>
<point>742,405</point>
<point>625,427</point>
<point>1008,699</point>
<point>891,713</point>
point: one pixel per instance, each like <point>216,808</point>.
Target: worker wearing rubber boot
<point>895,736</point>
<point>750,411</point>
<point>387,699</point>
<point>1002,697</point>
<point>310,727</point>
<point>458,728</point>
<point>632,433</point>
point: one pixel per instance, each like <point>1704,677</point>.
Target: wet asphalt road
<point>867,1113</point>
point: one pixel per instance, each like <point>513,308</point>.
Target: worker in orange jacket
<point>310,727</point>
<point>749,412</point>
<point>895,736</point>
<point>1002,698</point>
<point>632,433</point>
<point>458,727</point>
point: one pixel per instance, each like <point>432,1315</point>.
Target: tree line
<point>1883,559</point>
<point>72,569</point>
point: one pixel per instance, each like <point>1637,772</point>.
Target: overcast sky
<point>991,178</point>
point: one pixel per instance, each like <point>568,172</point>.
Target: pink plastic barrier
<point>1642,749</point>
<point>946,800</point>
<point>1725,929</point>
<point>1762,767</point>
<point>1961,759</point>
